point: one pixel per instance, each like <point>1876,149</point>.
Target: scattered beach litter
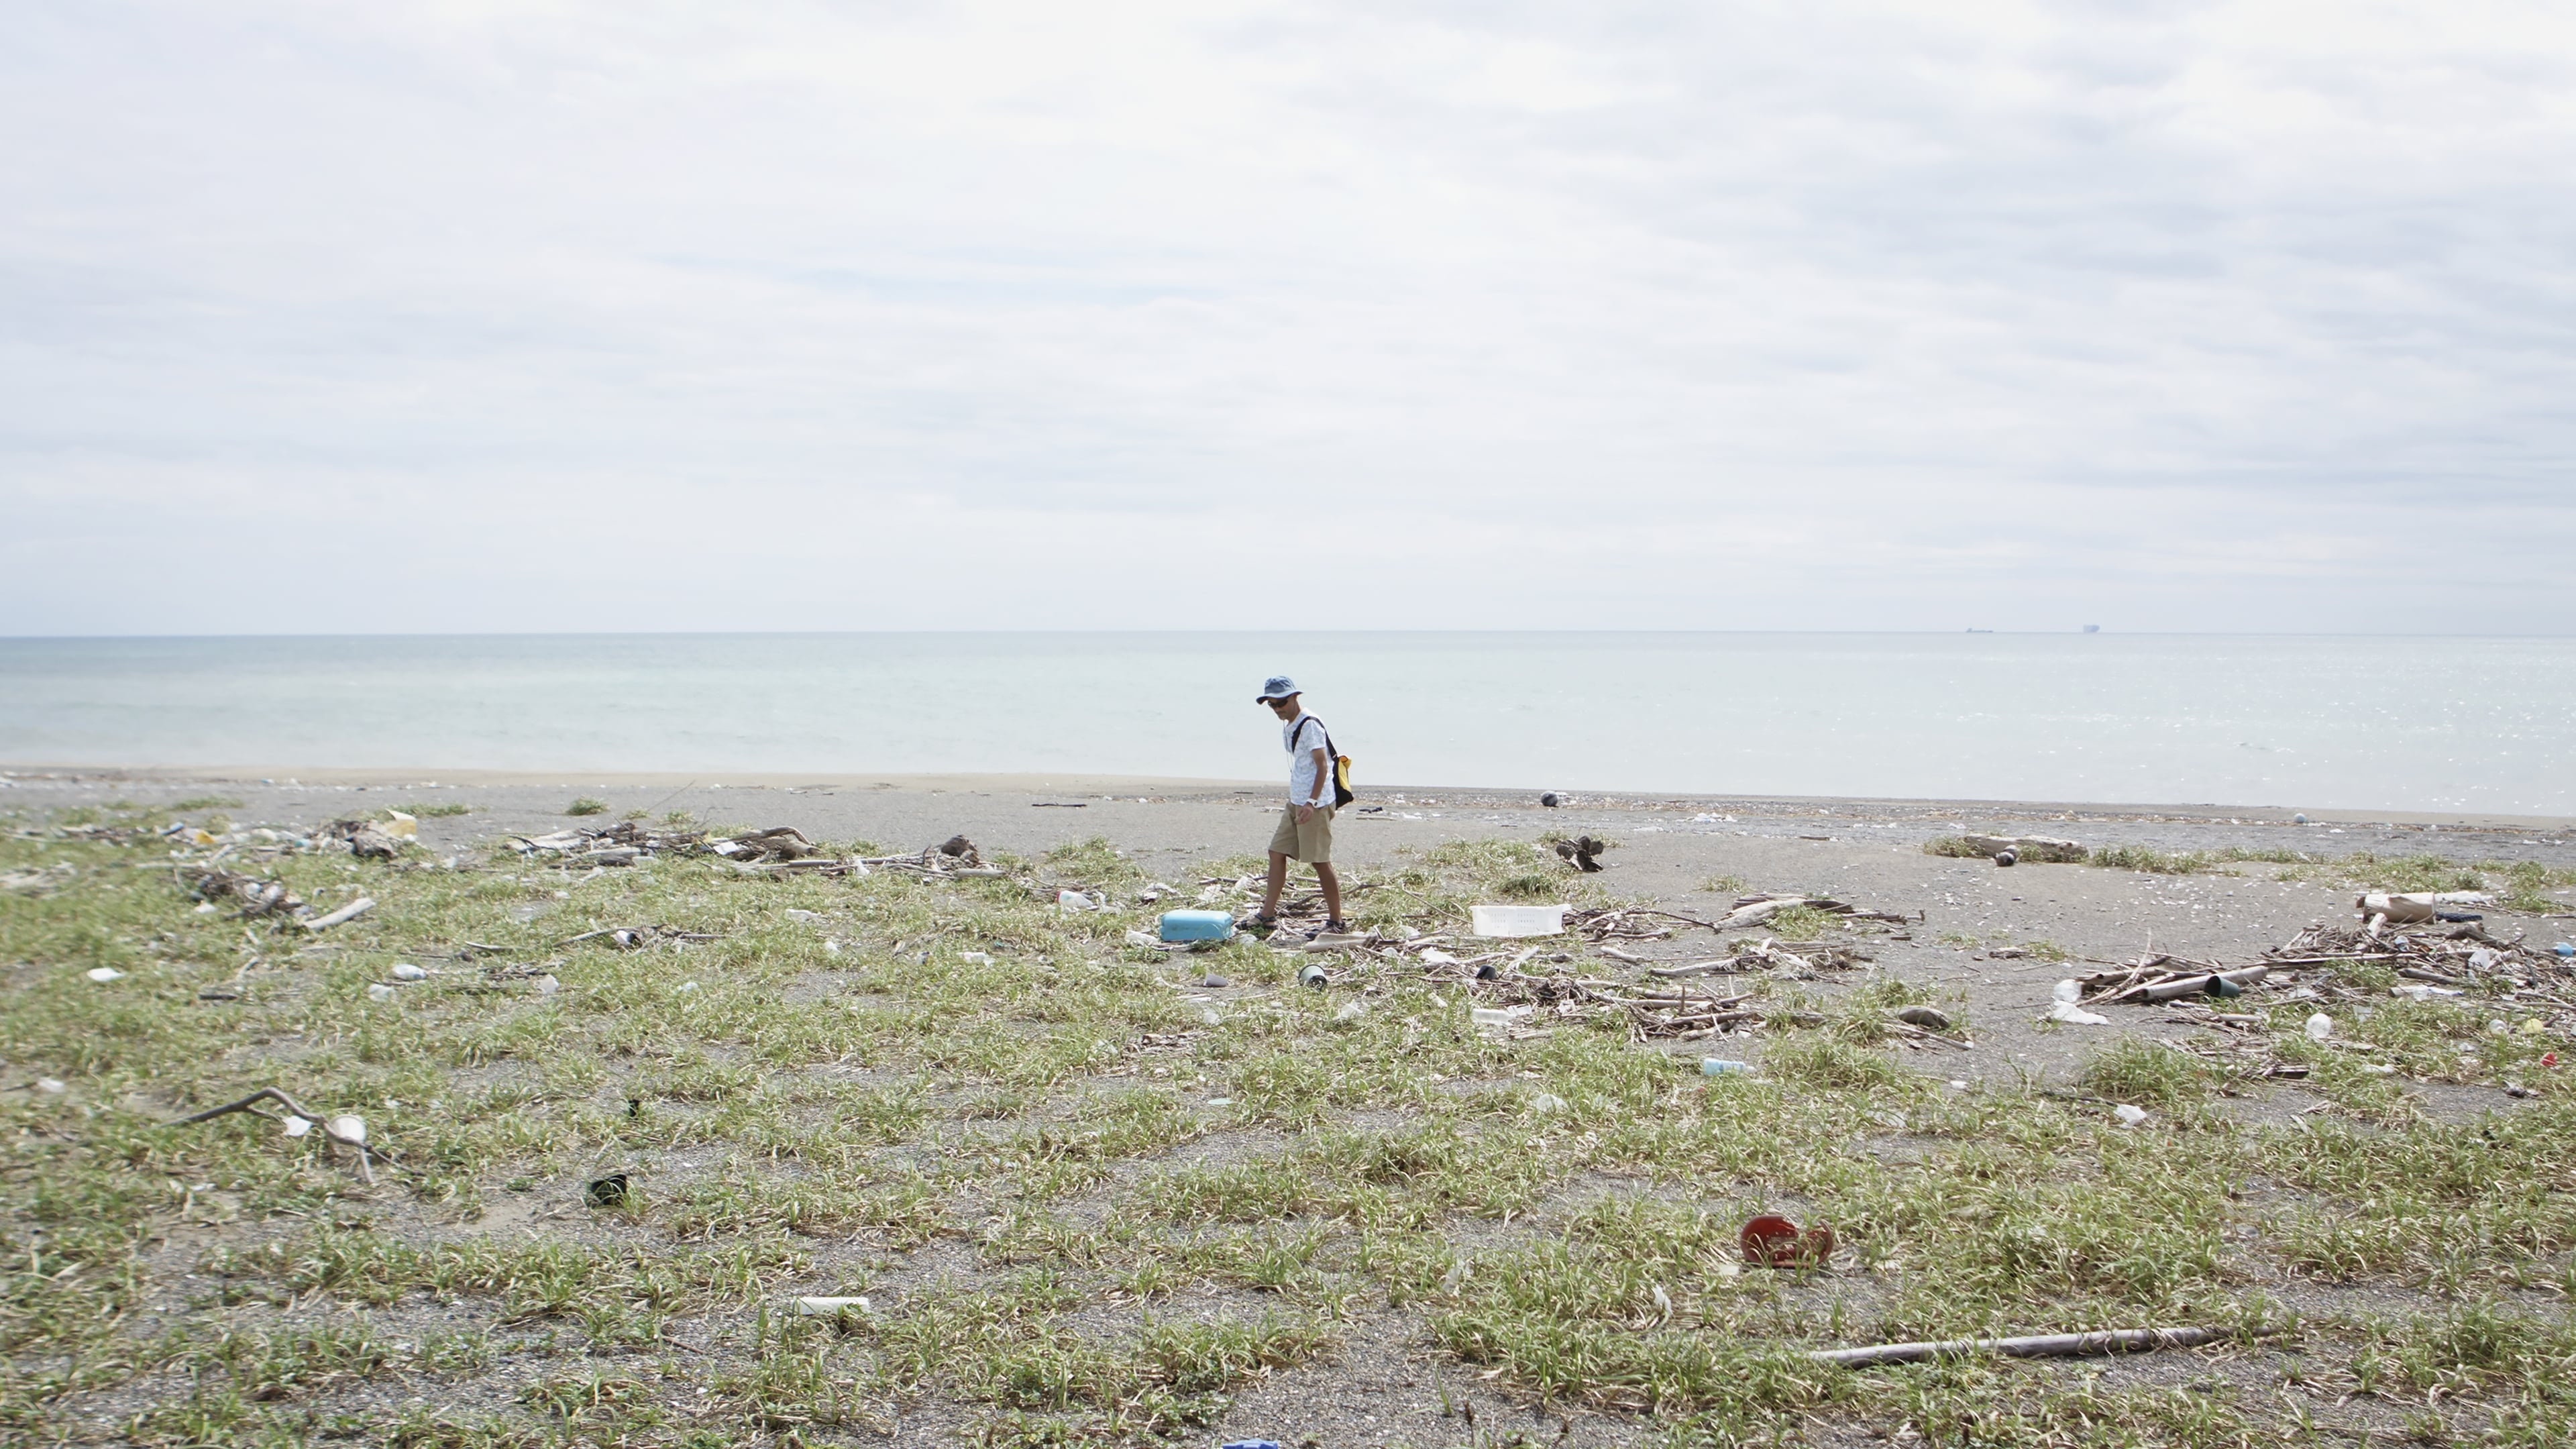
<point>104,974</point>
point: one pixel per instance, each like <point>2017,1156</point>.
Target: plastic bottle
<point>1723,1067</point>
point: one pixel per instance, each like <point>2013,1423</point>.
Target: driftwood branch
<point>2046,1345</point>
<point>349,912</point>
<point>321,1123</point>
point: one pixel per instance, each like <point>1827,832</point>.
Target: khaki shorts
<point>1311,842</point>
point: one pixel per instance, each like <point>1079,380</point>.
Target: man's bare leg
<point>1278,882</point>
<point>1332,888</point>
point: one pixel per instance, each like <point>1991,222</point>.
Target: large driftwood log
<point>2046,1345</point>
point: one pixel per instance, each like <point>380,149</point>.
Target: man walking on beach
<point>1306,826</point>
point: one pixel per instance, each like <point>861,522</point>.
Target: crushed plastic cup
<point>2419,991</point>
<point>1507,921</point>
<point>297,1126</point>
<point>1724,1067</point>
<point>2319,1026</point>
<point>104,974</point>
<point>405,971</point>
<point>2129,1116</point>
<point>829,1307</point>
<point>379,991</point>
<point>1313,976</point>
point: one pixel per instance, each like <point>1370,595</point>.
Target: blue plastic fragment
<point>1197,925</point>
<point>1250,1444</point>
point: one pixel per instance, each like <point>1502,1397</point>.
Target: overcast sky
<point>352,317</point>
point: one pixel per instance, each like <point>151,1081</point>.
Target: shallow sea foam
<point>2406,723</point>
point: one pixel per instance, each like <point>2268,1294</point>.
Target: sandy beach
<point>1986,943</point>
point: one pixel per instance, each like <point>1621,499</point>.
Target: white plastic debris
<point>2419,991</point>
<point>2069,991</point>
<point>347,1127</point>
<point>1140,938</point>
<point>1547,1102</point>
<point>205,908</point>
<point>2319,1026</point>
<point>1211,1018</point>
<point>1351,1011</point>
<point>977,958</point>
<point>105,974</point>
<point>51,1086</point>
<point>1663,1301</point>
<point>1220,1101</point>
<point>1519,920</point>
<point>297,1126</point>
<point>547,985</point>
<point>2129,1116</point>
<point>400,826</point>
<point>1488,1018</point>
<point>1072,902</point>
<point>379,991</point>
<point>1457,1276</point>
<point>826,1307</point>
<point>1434,956</point>
<point>794,914</point>
<point>830,1305</point>
<point>687,986</point>
<point>405,971</point>
<point>2069,1012</point>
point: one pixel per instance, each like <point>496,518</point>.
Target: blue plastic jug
<point>1197,925</point>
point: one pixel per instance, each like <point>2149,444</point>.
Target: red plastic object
<point>2549,1059</point>
<point>1772,1241</point>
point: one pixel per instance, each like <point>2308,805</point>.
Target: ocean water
<point>2474,724</point>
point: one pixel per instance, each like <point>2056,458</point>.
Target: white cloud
<point>2198,316</point>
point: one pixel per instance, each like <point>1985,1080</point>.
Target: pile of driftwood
<point>2157,977</point>
<point>254,896</point>
<point>621,844</point>
<point>955,856</point>
<point>2447,955</point>
<point>1756,909</point>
